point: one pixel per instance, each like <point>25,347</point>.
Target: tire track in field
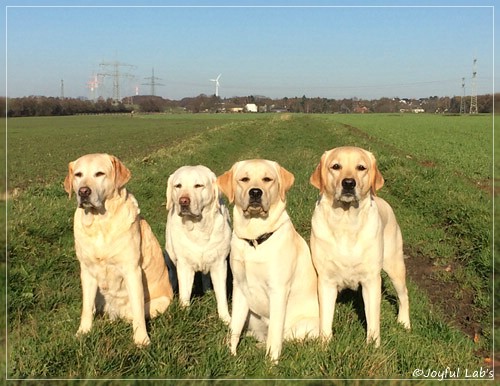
<point>183,147</point>
<point>391,148</point>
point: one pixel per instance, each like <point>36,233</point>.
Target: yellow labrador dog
<point>354,235</point>
<point>275,285</point>
<point>198,234</point>
<point>123,271</point>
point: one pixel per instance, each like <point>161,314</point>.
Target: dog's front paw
<point>325,339</point>
<point>405,322</point>
<point>233,343</point>
<point>273,355</point>
<point>373,339</point>
<point>83,329</point>
<point>81,333</point>
<point>141,340</point>
<point>225,318</point>
<point>185,303</point>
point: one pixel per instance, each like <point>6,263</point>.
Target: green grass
<point>49,143</point>
<point>444,215</point>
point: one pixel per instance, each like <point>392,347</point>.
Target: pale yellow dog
<point>198,234</point>
<point>123,272</point>
<point>354,235</point>
<point>274,286</point>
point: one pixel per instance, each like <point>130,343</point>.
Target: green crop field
<point>439,177</point>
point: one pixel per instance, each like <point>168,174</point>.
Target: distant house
<point>251,108</point>
<point>236,109</point>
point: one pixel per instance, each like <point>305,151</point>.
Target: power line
<point>115,73</point>
<point>462,98</point>
<point>473,98</point>
<point>153,82</point>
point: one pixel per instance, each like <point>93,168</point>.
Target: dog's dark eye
<point>245,179</point>
<point>361,168</point>
<point>336,167</point>
<point>79,174</point>
<point>199,186</point>
<point>267,179</point>
<point>99,174</point>
<point>178,186</point>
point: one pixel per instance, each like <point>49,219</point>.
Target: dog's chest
<point>255,289</point>
<point>110,279</point>
<point>348,249</point>
<point>201,247</point>
<point>202,259</point>
<point>100,247</point>
<point>252,273</point>
<point>104,257</point>
<point>112,287</point>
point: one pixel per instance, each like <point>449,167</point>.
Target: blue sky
<point>336,50</point>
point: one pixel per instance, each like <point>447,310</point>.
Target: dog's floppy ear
<point>225,183</point>
<point>376,178</point>
<point>317,179</point>
<point>170,203</point>
<point>216,189</point>
<point>68,181</point>
<point>122,174</point>
<point>287,180</point>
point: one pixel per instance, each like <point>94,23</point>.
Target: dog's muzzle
<point>84,194</point>
<point>185,203</point>
<point>254,201</point>
<point>185,208</point>
<point>348,193</point>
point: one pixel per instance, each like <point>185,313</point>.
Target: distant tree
<point>485,103</point>
<point>454,105</point>
<point>40,106</point>
<point>497,103</point>
<point>3,110</point>
<point>387,105</point>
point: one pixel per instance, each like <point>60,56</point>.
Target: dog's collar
<point>259,240</point>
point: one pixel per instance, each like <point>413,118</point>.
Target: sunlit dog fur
<point>354,235</point>
<point>274,286</point>
<point>198,232</point>
<point>123,273</point>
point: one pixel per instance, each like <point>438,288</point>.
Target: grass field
<point>438,173</point>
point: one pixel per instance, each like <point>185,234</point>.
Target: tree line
<point>33,106</point>
<point>50,106</point>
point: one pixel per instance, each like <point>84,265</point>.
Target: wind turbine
<point>216,80</point>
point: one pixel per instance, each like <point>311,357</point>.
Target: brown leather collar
<point>259,240</point>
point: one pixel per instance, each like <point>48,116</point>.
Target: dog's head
<point>95,178</point>
<point>256,185</point>
<point>191,189</point>
<point>347,174</point>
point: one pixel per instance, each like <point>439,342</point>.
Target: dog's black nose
<point>84,192</point>
<point>348,183</point>
<point>255,194</point>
